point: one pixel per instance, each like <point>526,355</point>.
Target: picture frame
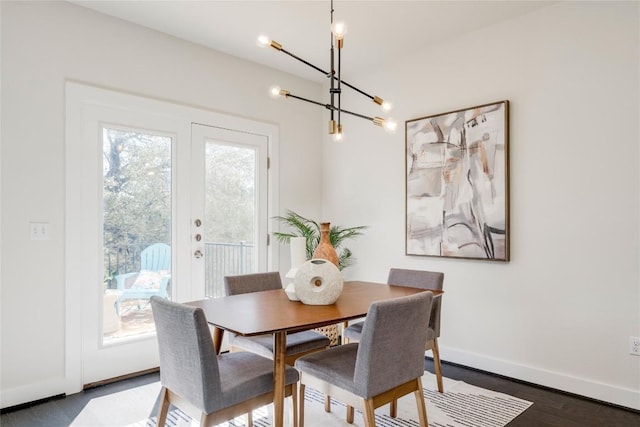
<point>457,183</point>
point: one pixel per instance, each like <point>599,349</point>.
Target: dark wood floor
<point>550,408</point>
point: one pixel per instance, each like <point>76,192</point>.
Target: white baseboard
<point>605,392</point>
<point>595,390</point>
<point>32,392</point>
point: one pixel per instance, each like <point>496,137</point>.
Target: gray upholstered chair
<point>429,280</point>
<point>212,388</point>
<point>298,343</point>
<point>386,364</point>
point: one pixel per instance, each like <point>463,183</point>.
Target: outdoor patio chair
<point>152,279</point>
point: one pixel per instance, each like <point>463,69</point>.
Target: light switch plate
<point>39,230</point>
<point>634,346</point>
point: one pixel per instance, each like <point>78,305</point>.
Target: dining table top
<point>271,311</point>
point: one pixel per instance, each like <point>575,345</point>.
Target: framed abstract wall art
<point>457,183</point>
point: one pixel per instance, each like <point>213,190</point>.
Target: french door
<point>156,205</point>
<point>229,205</point>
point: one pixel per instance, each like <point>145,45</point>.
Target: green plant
<point>310,230</point>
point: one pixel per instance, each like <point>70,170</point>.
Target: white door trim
<point>80,98</point>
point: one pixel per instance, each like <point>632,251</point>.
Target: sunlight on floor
<point>120,409</point>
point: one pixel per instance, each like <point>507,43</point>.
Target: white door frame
<point>80,261</point>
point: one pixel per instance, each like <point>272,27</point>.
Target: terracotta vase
<point>325,249</point>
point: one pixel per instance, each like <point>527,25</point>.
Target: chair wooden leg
<point>422,408</point>
<point>349,414</point>
<point>369,413</point>
<point>393,408</point>
<point>164,407</point>
<point>327,403</point>
<point>345,325</point>
<point>437,366</point>
<point>294,404</point>
<point>301,406</point>
<point>250,419</point>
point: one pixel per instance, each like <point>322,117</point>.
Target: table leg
<point>217,338</point>
<point>280,347</point>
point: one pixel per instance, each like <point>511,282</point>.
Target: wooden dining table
<point>271,312</point>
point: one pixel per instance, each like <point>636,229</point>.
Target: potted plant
<point>310,230</point>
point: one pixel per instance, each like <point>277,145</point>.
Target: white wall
<point>561,312</point>
<point>46,43</point>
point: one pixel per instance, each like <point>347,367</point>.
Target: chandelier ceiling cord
<point>338,31</point>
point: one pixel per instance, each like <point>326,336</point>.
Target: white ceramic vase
<point>318,282</point>
<point>298,248</point>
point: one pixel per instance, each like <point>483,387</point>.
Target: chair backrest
<point>256,282</point>
<point>430,280</point>
<point>156,257</point>
<point>188,360</point>
<point>391,349</point>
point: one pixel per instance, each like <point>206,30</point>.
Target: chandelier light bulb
<point>263,41</point>
<point>390,125</point>
<point>339,29</point>
<point>274,91</point>
<point>338,137</point>
<point>386,106</point>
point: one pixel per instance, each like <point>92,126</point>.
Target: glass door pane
<point>136,229</point>
<point>230,198</point>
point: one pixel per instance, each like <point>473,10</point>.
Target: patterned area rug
<point>462,405</point>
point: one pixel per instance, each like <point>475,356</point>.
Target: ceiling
<point>378,31</point>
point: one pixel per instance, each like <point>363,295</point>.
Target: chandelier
<point>338,31</point>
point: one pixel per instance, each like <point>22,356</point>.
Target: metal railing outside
<point>221,259</point>
<point>226,259</point>
<point>121,259</point>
